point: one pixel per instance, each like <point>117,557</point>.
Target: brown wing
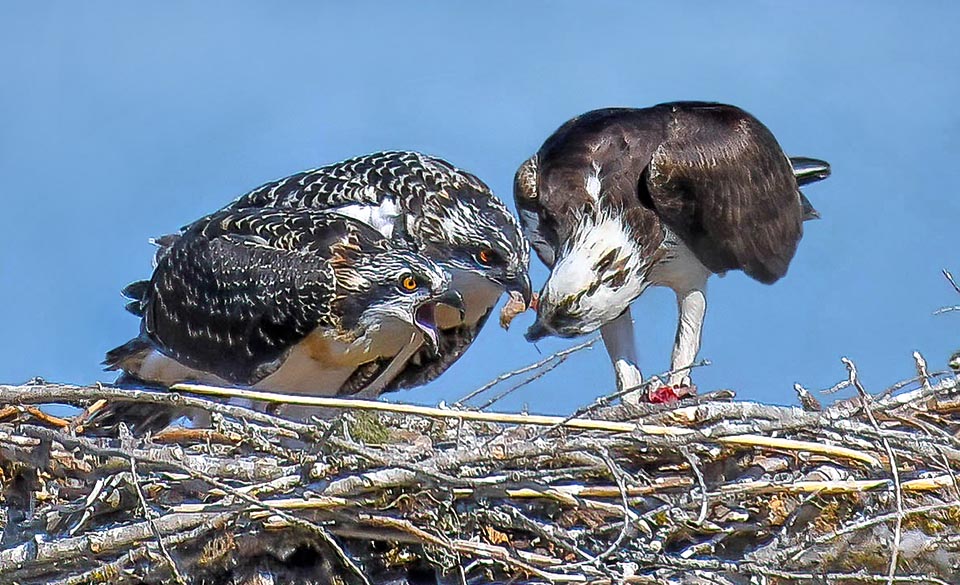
<point>549,189</point>
<point>721,182</point>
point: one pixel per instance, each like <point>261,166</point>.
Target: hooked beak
<point>452,298</point>
<point>537,331</point>
<point>521,284</point>
<point>426,318</point>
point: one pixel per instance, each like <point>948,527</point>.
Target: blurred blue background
<point>118,123</point>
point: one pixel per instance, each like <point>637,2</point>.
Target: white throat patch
<point>602,258</point>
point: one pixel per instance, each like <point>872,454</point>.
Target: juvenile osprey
<point>288,300</point>
<point>440,212</point>
<point>619,199</point>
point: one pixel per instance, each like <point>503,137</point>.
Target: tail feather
<point>809,170</point>
<point>809,212</point>
<point>140,418</point>
<point>137,293</point>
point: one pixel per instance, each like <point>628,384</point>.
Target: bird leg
<point>692,306</point>
<point>621,346</point>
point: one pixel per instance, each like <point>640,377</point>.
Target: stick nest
<point>707,491</point>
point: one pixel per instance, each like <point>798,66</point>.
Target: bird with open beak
<point>438,211</point>
<point>283,300</point>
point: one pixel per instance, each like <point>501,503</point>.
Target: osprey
<point>288,300</point>
<point>435,209</point>
<point>617,200</point>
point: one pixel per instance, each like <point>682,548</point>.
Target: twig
<point>949,277</point>
<point>47,393</point>
<point>627,514</point>
<point>546,370</point>
<point>953,283</point>
<point>922,373</point>
<point>534,366</point>
<point>609,398</point>
<point>149,516</point>
<point>704,497</point>
<point>898,493</point>
<point>508,418</point>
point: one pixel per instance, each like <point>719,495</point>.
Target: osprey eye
<point>408,283</point>
<point>486,257</point>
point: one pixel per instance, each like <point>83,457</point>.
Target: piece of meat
<point>513,307</point>
<point>668,394</point>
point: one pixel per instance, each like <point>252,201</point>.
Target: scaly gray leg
<point>692,306</point>
<point>621,346</point>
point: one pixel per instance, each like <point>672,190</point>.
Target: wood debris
<point>708,490</point>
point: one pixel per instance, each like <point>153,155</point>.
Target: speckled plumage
<point>425,203</point>
<point>241,291</point>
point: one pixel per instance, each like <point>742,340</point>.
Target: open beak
<point>452,298</point>
<point>426,318</point>
<point>426,321</point>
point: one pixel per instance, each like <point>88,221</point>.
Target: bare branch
<point>614,494</point>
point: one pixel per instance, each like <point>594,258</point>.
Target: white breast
<point>681,270</point>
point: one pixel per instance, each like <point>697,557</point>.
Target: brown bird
<point>617,200</point>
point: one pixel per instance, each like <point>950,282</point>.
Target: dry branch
<point>701,492</point>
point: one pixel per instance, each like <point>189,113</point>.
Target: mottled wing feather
<point>235,293</point>
<point>721,182</point>
<point>606,143</point>
<point>407,176</point>
<point>424,189</point>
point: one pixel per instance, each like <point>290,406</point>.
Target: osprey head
<point>476,237</point>
<point>387,284</point>
<point>597,275</point>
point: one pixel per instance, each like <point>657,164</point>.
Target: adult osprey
<point>440,212</point>
<point>619,199</point>
<point>288,300</point>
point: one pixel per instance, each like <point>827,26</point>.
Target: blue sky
<point>118,123</point>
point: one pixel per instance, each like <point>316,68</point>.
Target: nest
<point>709,490</point>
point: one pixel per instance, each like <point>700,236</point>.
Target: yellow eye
<point>486,257</point>
<point>408,283</point>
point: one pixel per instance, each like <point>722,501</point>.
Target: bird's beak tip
<point>522,285</point>
<point>452,298</point>
<point>536,332</point>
